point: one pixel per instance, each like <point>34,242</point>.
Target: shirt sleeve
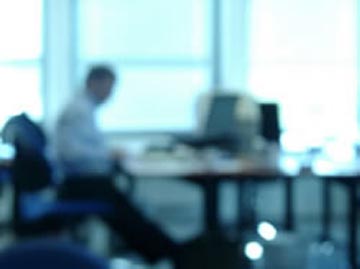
<point>79,139</point>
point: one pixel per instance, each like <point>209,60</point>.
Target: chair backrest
<point>49,253</point>
<point>270,127</point>
<point>31,170</point>
<point>22,132</point>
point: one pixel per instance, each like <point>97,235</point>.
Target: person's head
<point>99,82</point>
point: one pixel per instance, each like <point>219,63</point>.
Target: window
<point>21,53</point>
<point>303,55</point>
<point>162,52</point>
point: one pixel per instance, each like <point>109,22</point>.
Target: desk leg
<point>246,218</point>
<point>352,222</point>
<point>289,204</point>
<point>212,222</point>
<point>327,208</point>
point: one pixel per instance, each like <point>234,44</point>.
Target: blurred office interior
<point>299,54</point>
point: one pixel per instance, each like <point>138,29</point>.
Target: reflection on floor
<point>177,207</point>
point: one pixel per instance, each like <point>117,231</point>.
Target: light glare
<point>254,251</point>
<point>267,231</point>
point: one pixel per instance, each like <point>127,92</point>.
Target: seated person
<point>80,146</point>
<point>88,167</point>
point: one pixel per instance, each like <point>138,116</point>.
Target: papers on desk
<point>168,165</point>
<point>323,166</point>
<point>338,158</point>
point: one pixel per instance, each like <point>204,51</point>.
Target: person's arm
<point>79,139</point>
<point>72,146</point>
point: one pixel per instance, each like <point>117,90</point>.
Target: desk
<point>208,171</point>
<point>347,173</point>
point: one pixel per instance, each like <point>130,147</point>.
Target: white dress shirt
<point>80,147</point>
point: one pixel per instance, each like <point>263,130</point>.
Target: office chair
<point>49,253</point>
<point>34,210</point>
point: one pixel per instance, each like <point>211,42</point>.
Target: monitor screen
<point>221,120</point>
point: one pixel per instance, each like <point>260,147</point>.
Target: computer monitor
<point>221,121</point>
<point>220,127</point>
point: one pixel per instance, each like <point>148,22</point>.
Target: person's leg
<point>138,232</point>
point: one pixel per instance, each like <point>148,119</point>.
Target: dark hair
<point>100,72</point>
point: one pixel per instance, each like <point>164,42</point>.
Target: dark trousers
<point>138,232</point>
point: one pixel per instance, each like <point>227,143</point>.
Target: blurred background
<point>301,54</point>
<point>291,52</point>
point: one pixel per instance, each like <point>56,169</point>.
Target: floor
<point>177,207</point>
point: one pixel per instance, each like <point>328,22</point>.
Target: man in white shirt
<point>80,146</point>
<point>88,166</point>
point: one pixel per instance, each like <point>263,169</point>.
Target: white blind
<point>21,51</point>
<point>162,52</point>
<point>303,55</point>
